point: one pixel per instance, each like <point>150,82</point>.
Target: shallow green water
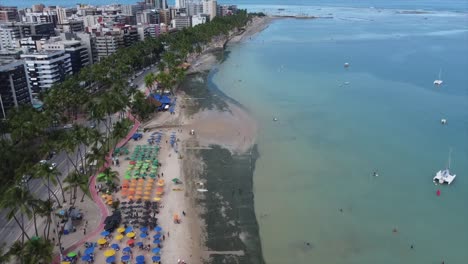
<point>337,126</point>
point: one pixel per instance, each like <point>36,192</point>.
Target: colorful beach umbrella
<point>143,235</point>
<point>110,259</point>
<point>131,234</point>
<point>127,249</point>
<point>102,241</point>
<point>157,199</point>
<point>119,237</point>
<point>144,229</point>
<point>156,250</point>
<point>86,258</point>
<point>157,236</point>
<point>131,242</point>
<point>71,254</point>
<point>109,253</point>
<point>121,229</point>
<point>156,258</point>
<point>156,241</point>
<point>125,258</point>
<point>158,229</point>
<point>105,233</point>
<point>89,251</point>
<point>128,229</point>
<point>115,246</point>
<point>140,258</point>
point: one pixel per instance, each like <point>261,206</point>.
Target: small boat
<point>444,176</point>
<point>202,190</point>
<point>275,119</point>
<point>443,121</point>
<point>438,82</point>
<point>346,65</point>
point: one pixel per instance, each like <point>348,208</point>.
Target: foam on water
<point>319,156</point>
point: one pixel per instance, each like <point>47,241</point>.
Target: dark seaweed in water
<point>229,206</point>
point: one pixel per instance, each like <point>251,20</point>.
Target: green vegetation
<point>98,95</point>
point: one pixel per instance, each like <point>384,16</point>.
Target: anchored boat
<point>444,176</point>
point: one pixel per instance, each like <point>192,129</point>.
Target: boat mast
<point>450,158</point>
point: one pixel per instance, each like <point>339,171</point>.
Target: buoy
<point>438,192</point>
<point>346,65</point>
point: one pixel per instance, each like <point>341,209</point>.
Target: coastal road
<point>9,230</point>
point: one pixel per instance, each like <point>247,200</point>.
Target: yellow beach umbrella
<point>104,195</point>
<point>147,193</point>
<point>148,188</point>
<point>119,237</point>
<point>159,193</point>
<point>65,262</point>
<point>157,199</point>
<point>130,197</point>
<point>131,234</point>
<point>146,198</point>
<point>121,229</point>
<point>138,197</point>
<point>139,188</point>
<point>160,184</point>
<point>102,241</point>
<point>109,253</point>
<point>150,180</point>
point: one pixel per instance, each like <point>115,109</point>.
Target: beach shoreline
<point>224,130</point>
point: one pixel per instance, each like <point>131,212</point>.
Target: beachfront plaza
<point>134,231</point>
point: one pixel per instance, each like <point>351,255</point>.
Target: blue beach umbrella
<point>158,229</point>
<point>157,241</point>
<point>115,246</point>
<point>143,235</point>
<point>128,229</point>
<point>157,236</point>
<point>140,244</point>
<point>125,258</point>
<point>156,258</point>
<point>86,258</point>
<point>89,251</point>
<point>144,229</point>
<point>140,258</point>
<point>156,250</point>
<point>127,249</point>
<point>110,259</point>
<point>105,233</point>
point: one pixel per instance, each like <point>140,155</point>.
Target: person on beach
<point>164,237</point>
<point>183,213</point>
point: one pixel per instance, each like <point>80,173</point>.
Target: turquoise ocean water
<point>336,126</point>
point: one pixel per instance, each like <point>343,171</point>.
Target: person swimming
<point>375,174</point>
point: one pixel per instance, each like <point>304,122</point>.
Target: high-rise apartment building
<point>46,68</point>
<point>79,56</point>
<point>210,8</point>
<point>108,43</point>
<point>9,37</point>
<point>9,14</point>
<point>181,22</point>
<point>14,86</point>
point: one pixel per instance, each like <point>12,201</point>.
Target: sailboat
<point>444,176</point>
<point>438,82</point>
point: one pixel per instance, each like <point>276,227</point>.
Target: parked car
<point>68,126</point>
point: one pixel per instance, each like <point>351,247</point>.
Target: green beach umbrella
<point>71,254</point>
<point>175,180</point>
<point>128,177</point>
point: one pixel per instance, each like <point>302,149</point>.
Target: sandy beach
<point>231,128</point>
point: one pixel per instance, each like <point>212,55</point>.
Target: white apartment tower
<point>46,68</point>
<point>210,8</point>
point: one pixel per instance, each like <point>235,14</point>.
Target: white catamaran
<point>444,176</point>
<point>438,82</point>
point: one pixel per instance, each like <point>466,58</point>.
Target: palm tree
<point>73,182</point>
<point>4,256</point>
<point>109,177</point>
<point>38,251</point>
<point>45,208</point>
<point>49,175</point>
<point>149,80</point>
<point>17,199</point>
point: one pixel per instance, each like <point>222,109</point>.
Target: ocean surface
<point>313,180</point>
